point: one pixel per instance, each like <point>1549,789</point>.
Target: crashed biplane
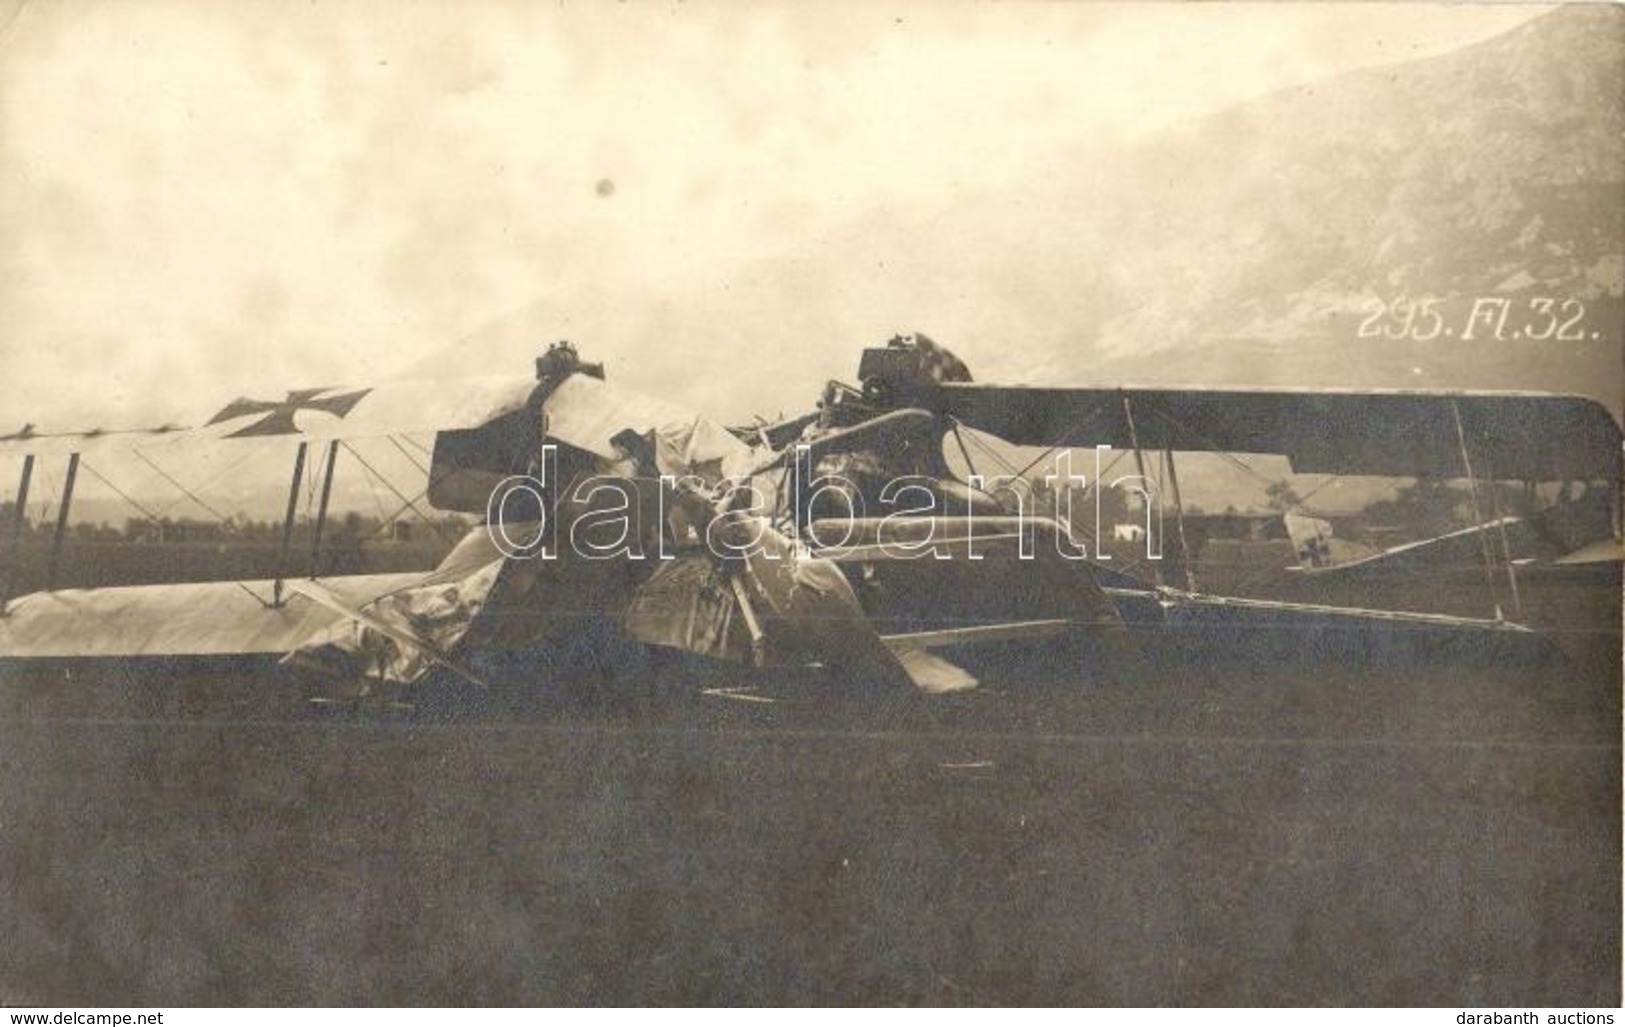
<point>850,538</point>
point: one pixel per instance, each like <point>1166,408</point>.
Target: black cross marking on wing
<point>279,419</point>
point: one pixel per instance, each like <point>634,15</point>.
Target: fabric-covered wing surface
<point>313,414</point>
<point>218,618</point>
<point>1509,435</point>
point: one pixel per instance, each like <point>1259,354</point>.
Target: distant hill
<point>1493,173</point>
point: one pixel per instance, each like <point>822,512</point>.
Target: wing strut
<point>287,523</point>
<point>1139,462</point>
<point>1478,516</point>
<point>321,510</point>
<point>1187,565</point>
<point>14,545</point>
<point>62,508</point>
<point>1506,543</point>
<point>758,640</point>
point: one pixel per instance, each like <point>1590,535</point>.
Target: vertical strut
<point>758,639</point>
<point>62,510</point>
<point>14,545</point>
<point>1506,545</point>
<point>287,523</point>
<point>1179,520</point>
<point>1139,463</point>
<point>1478,514</point>
<point>321,510</point>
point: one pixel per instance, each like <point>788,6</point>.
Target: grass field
<point>1210,828</point>
<point>1228,834</point>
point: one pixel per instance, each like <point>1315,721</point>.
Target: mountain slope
<point>1494,173</point>
<point>1266,244</point>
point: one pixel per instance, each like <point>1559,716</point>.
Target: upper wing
<point>1508,435</point>
<point>309,414</point>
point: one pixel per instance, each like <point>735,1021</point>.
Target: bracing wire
<point>407,504</point>
<point>188,493</point>
<point>214,479</point>
<point>410,458</point>
<point>99,476</point>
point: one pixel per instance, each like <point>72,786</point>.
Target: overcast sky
<point>200,198</point>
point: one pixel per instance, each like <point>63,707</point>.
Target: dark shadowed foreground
<point>1446,833</point>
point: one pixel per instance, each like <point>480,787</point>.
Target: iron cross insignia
<point>278,419</point>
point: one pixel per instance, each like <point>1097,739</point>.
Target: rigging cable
<point>409,504</point>
<point>153,518</point>
<point>188,493</point>
<point>250,454</point>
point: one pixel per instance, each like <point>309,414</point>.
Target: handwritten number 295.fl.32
<point>1536,318</point>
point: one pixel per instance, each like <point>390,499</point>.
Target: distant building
<point>1128,533</point>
